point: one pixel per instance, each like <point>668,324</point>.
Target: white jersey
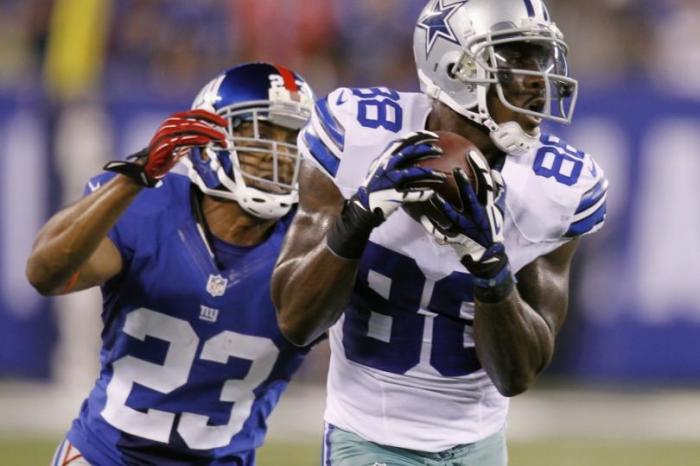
<point>404,370</point>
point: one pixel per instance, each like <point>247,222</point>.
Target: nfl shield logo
<point>216,286</point>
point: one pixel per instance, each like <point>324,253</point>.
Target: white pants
<point>67,455</point>
<point>342,448</point>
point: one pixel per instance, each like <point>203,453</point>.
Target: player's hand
<point>183,129</point>
<point>179,132</point>
<point>475,231</point>
<point>393,179</point>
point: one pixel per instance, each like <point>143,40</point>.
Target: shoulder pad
<point>592,207</point>
<point>555,191</point>
<point>351,126</point>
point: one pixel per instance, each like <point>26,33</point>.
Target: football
<point>455,149</point>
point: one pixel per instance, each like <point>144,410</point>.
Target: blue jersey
<point>192,360</point>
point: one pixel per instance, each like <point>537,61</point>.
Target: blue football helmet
<point>253,93</point>
<point>457,47</point>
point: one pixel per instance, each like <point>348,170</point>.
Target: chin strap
<point>510,137</point>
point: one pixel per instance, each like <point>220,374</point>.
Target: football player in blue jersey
<point>192,361</point>
<point>435,323</point>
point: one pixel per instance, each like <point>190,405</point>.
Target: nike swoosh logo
<point>340,100</point>
<point>93,187</point>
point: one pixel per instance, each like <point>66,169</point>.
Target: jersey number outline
<point>156,424</point>
<point>558,160</point>
<point>377,107</point>
<point>399,319</point>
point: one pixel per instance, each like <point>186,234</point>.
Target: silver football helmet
<point>460,51</point>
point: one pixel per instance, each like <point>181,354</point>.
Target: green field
<point>553,453</point>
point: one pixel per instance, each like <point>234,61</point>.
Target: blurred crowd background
<point>85,81</point>
<point>118,48</point>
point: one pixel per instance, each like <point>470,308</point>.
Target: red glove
<point>181,130</point>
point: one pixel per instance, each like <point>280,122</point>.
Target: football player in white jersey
<point>433,325</point>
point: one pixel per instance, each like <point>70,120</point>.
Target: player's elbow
<point>513,384</point>
<point>512,389</point>
<point>295,333</point>
<point>289,318</point>
<point>38,278</point>
<point>302,324</point>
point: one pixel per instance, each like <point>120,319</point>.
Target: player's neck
<point>443,118</point>
<point>229,222</point>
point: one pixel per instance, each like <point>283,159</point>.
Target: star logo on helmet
<point>436,22</point>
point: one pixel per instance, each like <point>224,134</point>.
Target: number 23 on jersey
<point>183,342</point>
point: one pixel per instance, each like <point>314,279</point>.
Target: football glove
<point>175,135</point>
<point>392,180</point>
<point>475,231</point>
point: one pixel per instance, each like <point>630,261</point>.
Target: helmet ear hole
<point>463,70</point>
<point>451,71</point>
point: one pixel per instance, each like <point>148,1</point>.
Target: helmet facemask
<point>265,106</point>
<point>256,171</point>
<point>460,54</point>
<point>497,59</point>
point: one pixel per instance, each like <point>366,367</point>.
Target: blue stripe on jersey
<point>593,195</point>
<point>530,8</point>
<point>545,12</point>
<point>331,126</point>
<point>320,152</point>
<point>586,224</point>
<point>57,455</point>
<point>326,450</point>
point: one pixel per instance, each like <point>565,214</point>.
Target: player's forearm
<point>71,236</point>
<point>311,292</point>
<point>514,343</point>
